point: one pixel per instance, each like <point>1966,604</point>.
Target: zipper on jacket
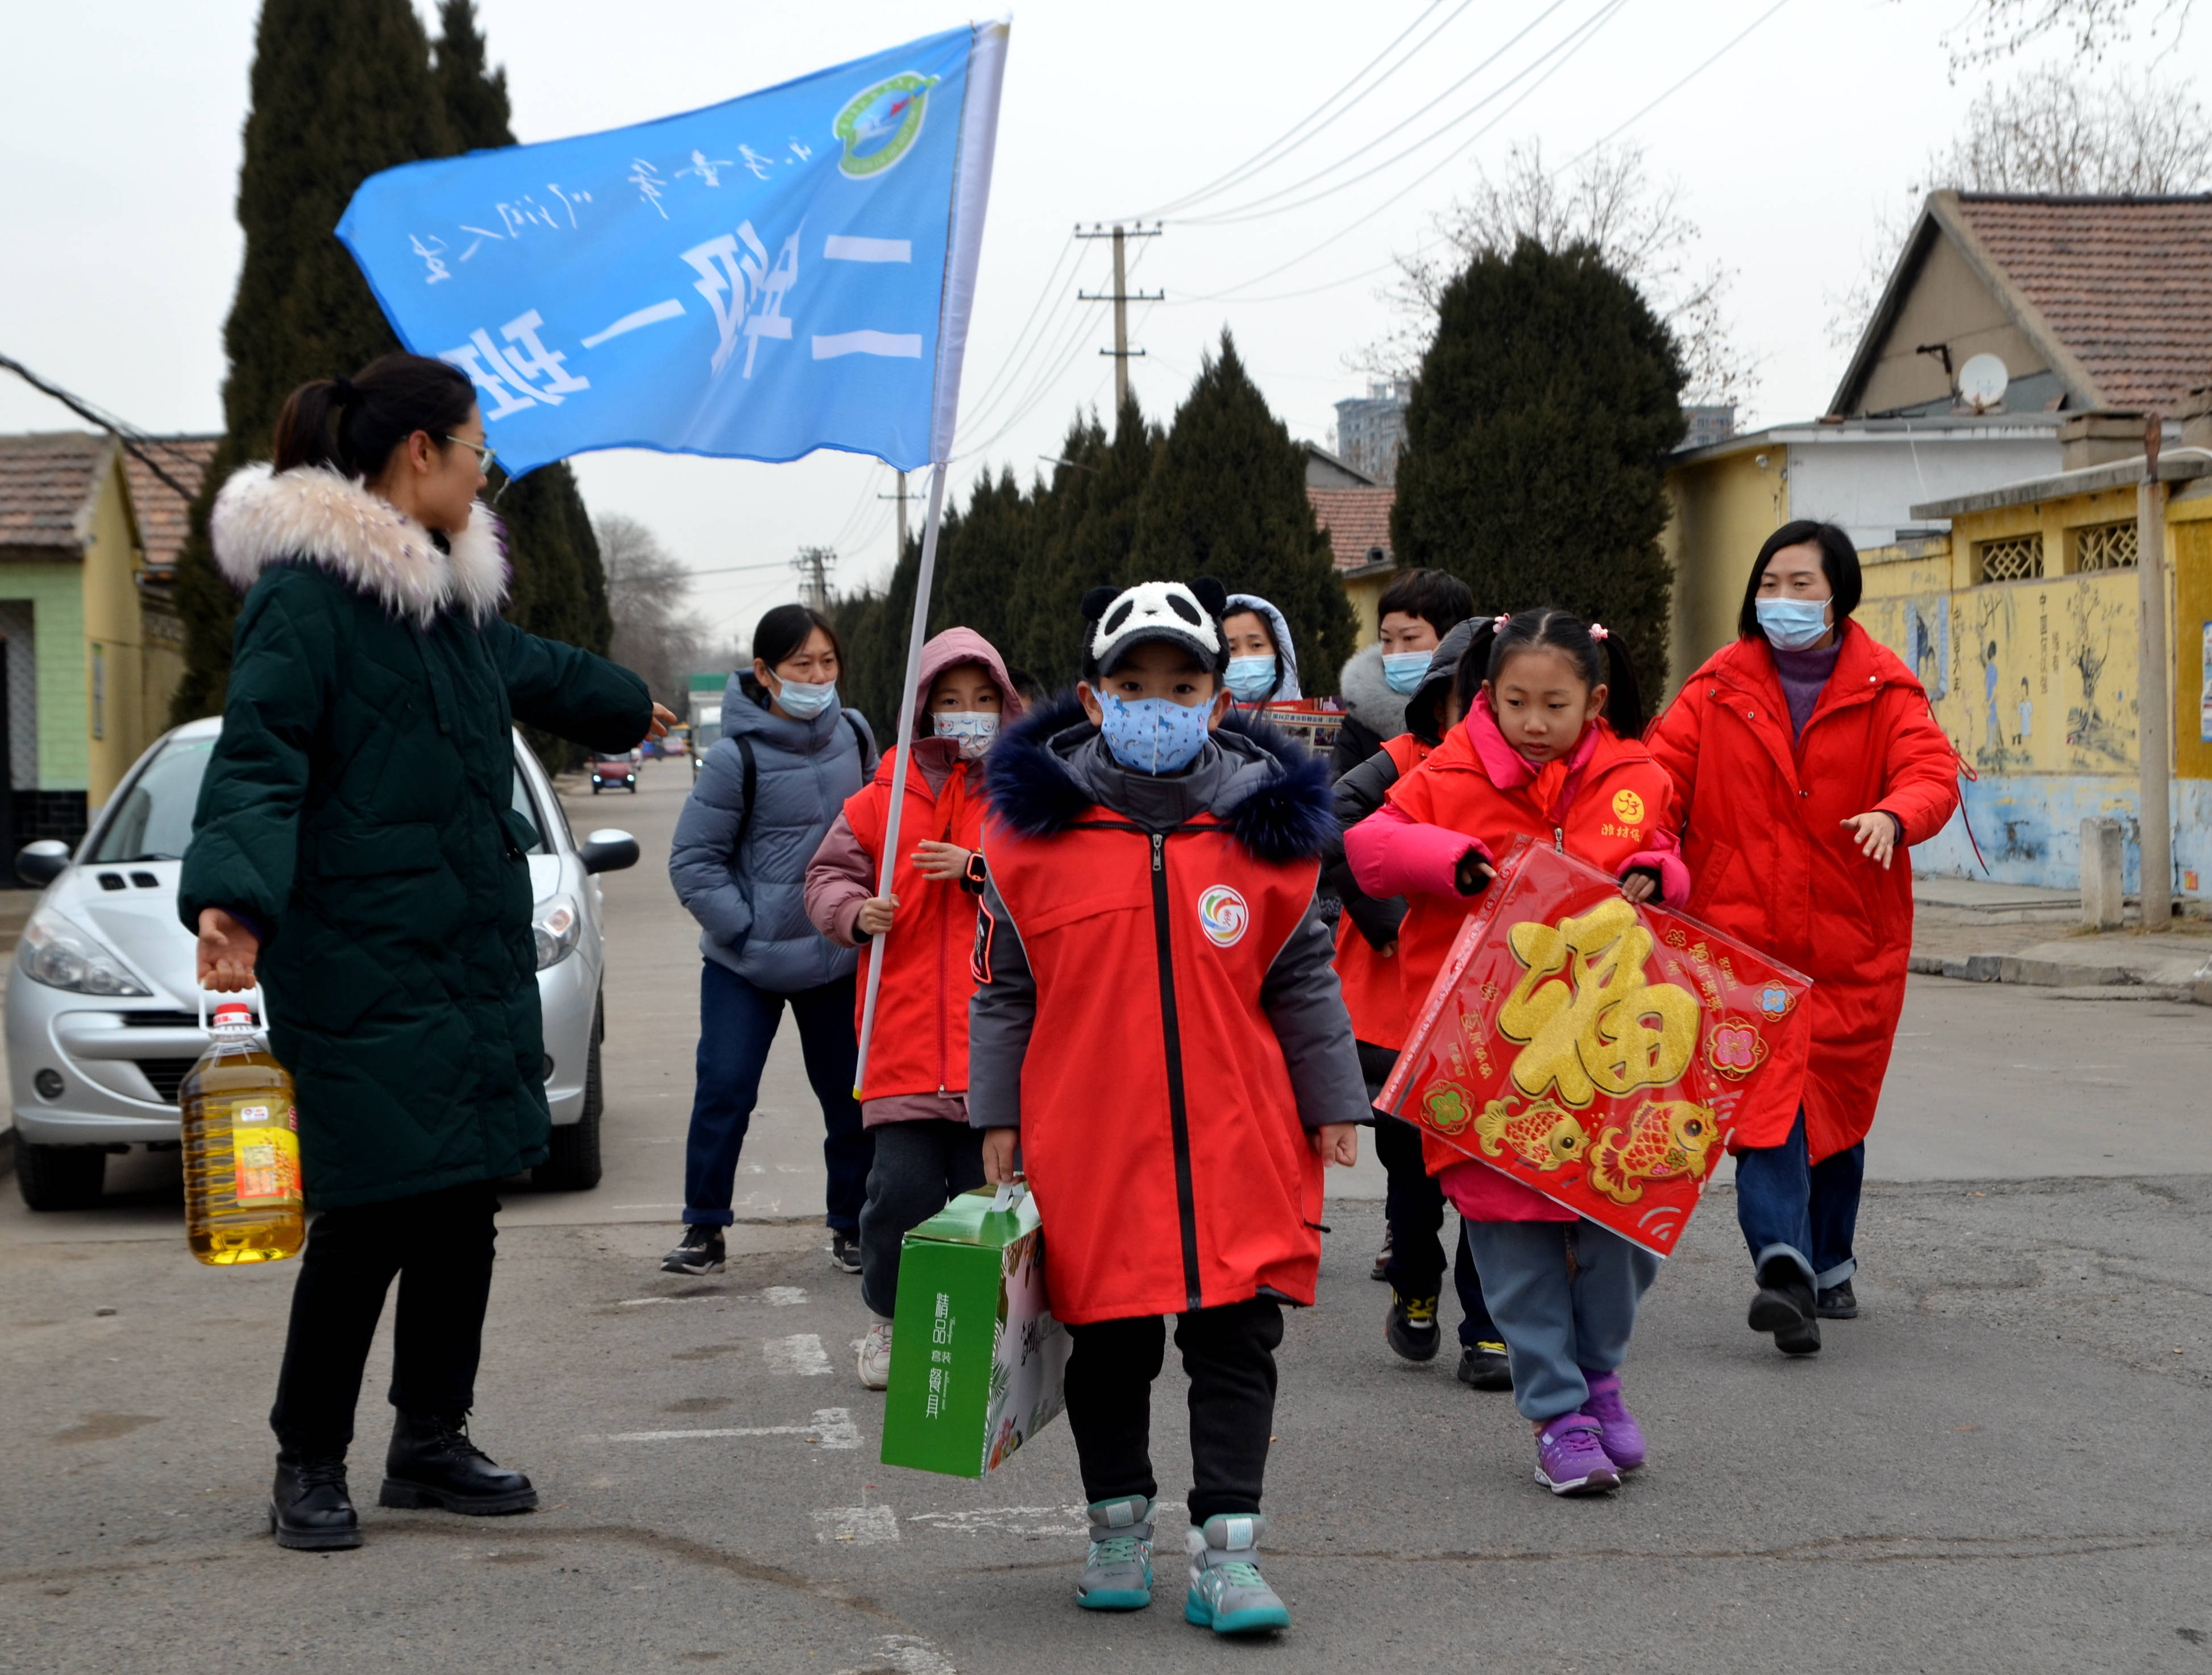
<point>1559,840</point>
<point>1170,1029</point>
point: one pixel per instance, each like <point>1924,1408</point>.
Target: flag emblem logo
<point>1223,916</point>
<point>881,124</point>
<point>1627,806</point>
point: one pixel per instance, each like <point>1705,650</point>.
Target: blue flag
<point>789,270</point>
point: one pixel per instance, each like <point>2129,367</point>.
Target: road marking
<point>647,1302</point>
<point>783,1296</point>
<point>864,1526</point>
<point>909,1655</point>
<point>1012,1520</point>
<point>833,1428</point>
<point>801,1354</point>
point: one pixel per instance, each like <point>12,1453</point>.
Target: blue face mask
<point>1153,736</point>
<point>1250,679</point>
<point>1404,671</point>
<point>1793,624</point>
<point>803,700</point>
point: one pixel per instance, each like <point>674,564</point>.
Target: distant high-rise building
<point>1703,426</point>
<point>1371,429</point>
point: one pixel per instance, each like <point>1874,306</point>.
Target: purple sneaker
<point>1570,1460</point>
<point>1622,1437</point>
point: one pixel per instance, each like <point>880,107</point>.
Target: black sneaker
<point>1410,1328</point>
<point>701,1253</point>
<point>1483,1366</point>
<point>844,1252</point>
<point>1784,1305</point>
<point>1838,1303</point>
<point>1383,1257</point>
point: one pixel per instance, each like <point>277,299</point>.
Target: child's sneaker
<point>1619,1433</point>
<point>1117,1575</point>
<point>1484,1366</point>
<point>876,1356</point>
<point>1227,1593</point>
<point>701,1251</point>
<point>1410,1328</point>
<point>1570,1460</point>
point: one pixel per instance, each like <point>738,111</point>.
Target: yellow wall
<point>1721,512</point>
<point>1365,593</point>
<point>111,639</point>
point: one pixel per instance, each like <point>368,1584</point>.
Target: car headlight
<point>555,925</point>
<point>59,955</point>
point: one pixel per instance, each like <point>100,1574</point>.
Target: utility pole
<point>814,564</point>
<point>901,498</point>
<point>2153,702</point>
<point>1121,296</point>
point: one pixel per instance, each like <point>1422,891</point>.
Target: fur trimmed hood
<point>1367,696</point>
<point>312,513</point>
<point>1274,795</point>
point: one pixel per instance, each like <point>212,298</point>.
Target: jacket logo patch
<point>1628,805</point>
<point>1223,915</point>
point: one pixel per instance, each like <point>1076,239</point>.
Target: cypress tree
<point>1536,443</point>
<point>1227,499</point>
<point>341,88</point>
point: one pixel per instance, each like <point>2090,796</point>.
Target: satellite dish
<point>1982,382</point>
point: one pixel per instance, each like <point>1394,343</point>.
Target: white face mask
<point>974,728</point>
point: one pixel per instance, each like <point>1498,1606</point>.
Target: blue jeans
<point>1564,1296</point>
<point>1804,1215</point>
<point>737,1023</point>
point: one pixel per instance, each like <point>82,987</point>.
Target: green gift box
<point>978,1363</point>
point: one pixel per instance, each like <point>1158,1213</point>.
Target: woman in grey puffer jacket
<point>789,756</point>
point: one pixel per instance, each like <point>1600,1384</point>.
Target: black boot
<point>1784,1305</point>
<point>308,1507</point>
<point>432,1463</point>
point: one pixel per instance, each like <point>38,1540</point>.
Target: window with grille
<point>2105,546</point>
<point>2010,560</point>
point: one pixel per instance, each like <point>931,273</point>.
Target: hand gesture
<point>227,953</point>
<point>876,914</point>
<point>1876,835</point>
<point>942,861</point>
<point>663,719</point>
<point>1337,1143</point>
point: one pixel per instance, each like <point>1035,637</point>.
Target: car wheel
<point>60,1177</point>
<point>572,1162</point>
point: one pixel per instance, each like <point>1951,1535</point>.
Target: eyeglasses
<point>484,455</point>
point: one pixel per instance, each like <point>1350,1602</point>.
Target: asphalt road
<point>1996,1467</point>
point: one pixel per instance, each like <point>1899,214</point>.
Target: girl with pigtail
<point>1549,746</point>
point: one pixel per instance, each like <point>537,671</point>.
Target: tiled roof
<point>2126,283</point>
<point>165,516</point>
<point>45,479</point>
<point>1357,521</point>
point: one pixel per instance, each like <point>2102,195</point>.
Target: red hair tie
<point>1597,630</point>
<point>1499,621</point>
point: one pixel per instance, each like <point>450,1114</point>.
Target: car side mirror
<point>41,863</point>
<point>603,851</point>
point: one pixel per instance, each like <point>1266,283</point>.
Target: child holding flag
<point>1158,1027</point>
<point>1549,748</point>
<point>912,1093</point>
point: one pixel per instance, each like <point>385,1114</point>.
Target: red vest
<point>920,1043</point>
<point>1370,976</point>
<point>1159,1132</point>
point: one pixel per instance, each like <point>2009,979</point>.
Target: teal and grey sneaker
<point>1117,1576</point>
<point>1227,1593</point>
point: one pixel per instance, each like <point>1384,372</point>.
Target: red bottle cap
<point>234,1012</point>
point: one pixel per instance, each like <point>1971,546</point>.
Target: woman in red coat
<point>1807,760</point>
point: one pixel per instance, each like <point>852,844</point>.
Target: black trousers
<point>440,1245</point>
<point>1229,1353</point>
<point>1414,1204</point>
<point>918,1166</point>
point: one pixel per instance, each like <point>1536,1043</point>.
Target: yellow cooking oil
<point>241,1148</point>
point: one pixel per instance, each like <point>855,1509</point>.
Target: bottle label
<point>267,1154</point>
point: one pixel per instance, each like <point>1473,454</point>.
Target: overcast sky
<point>120,152</point>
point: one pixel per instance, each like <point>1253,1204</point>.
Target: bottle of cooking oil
<point>242,1146</point>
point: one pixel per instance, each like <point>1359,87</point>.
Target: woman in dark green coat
<point>357,848</point>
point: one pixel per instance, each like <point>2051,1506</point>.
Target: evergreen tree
<point>1536,443</point>
<point>341,88</point>
<point>1227,499</point>
<point>559,588</point>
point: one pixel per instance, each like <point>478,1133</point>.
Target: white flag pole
<point>971,192</point>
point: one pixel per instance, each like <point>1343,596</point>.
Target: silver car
<point>102,1006</point>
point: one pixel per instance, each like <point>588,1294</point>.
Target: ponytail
<point>351,426</point>
<point>1600,655</point>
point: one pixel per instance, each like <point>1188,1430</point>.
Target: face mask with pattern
<point>974,728</point>
<point>1153,736</point>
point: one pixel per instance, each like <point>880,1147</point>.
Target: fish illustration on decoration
<point>1544,1135</point>
<point>1665,1140</point>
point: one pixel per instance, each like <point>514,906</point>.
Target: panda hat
<point>1165,612</point>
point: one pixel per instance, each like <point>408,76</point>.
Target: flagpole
<point>915,635</point>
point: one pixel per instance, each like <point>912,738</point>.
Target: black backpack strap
<point>751,790</point>
<point>860,738</point>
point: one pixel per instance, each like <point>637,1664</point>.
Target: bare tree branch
<point>649,597</point>
<point>1995,29</point>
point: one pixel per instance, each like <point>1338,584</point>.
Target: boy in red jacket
<point>1149,922</point>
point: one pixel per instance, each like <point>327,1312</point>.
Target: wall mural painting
<point>2100,729</point>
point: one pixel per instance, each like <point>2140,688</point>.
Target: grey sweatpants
<point>1564,1294</point>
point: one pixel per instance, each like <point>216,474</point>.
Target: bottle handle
<point>253,996</point>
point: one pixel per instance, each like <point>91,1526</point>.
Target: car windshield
<point>154,821</point>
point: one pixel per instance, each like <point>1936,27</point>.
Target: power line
<point>1722,52</point>
<point>135,442</point>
